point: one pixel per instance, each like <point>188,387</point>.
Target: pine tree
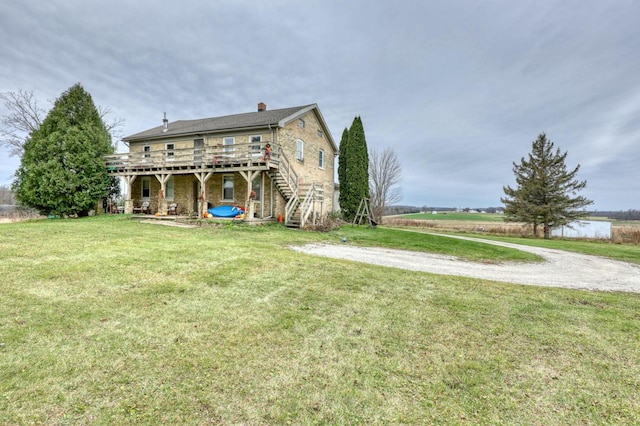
<point>353,169</point>
<point>546,193</point>
<point>62,171</point>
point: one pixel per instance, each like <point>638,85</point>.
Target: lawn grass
<point>110,321</point>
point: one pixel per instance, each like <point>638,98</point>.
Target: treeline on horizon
<point>400,209</point>
<point>619,215</point>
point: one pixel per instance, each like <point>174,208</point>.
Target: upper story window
<point>228,143</point>
<point>301,123</point>
<point>299,150</point>
<point>320,133</point>
<point>198,149</point>
<point>321,159</point>
<point>169,149</point>
<point>256,144</point>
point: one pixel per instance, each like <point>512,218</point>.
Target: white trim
<point>321,158</point>
<point>170,183</point>
<point>170,152</point>
<point>299,152</point>
<point>297,114</point>
<point>228,147</point>
<point>256,146</point>
<point>142,181</point>
<point>233,188</point>
<point>323,123</point>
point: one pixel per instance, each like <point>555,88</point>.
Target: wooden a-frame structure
<point>364,211</point>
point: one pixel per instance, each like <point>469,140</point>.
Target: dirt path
<point>560,268</point>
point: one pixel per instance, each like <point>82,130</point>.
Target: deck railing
<point>190,157</point>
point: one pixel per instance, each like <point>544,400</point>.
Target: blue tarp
<point>226,211</point>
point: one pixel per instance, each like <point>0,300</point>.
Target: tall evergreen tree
<point>546,192</point>
<point>342,168</point>
<point>354,179</point>
<point>62,170</point>
<point>359,161</point>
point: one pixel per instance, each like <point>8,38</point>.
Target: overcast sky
<point>458,89</point>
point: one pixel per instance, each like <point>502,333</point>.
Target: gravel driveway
<point>560,268</point>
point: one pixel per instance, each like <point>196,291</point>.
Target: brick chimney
<point>262,107</point>
<point>165,123</point>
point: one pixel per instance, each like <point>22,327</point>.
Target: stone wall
<point>314,139</point>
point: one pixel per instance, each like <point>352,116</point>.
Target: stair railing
<point>286,171</point>
<point>291,207</point>
<point>307,206</point>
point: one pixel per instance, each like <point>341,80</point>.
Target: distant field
<point>492,217</point>
<point>471,217</point>
<point>632,223</point>
<point>627,231</point>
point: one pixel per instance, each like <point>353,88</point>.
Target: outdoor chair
<point>144,208</point>
<point>173,209</point>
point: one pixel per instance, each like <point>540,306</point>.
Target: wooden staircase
<point>298,208</point>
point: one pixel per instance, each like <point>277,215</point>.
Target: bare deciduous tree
<point>24,117</point>
<point>6,196</point>
<point>385,175</point>
<point>114,125</point>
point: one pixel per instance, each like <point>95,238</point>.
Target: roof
<point>249,120</point>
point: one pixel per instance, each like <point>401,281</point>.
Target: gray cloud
<point>459,89</point>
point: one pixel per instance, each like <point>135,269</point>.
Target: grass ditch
<point>110,321</point>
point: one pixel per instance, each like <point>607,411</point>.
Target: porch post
<point>128,202</point>
<point>202,199</point>
<point>162,199</point>
<point>249,176</point>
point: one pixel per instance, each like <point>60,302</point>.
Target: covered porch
<point>189,181</point>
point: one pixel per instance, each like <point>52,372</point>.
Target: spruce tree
<point>546,192</point>
<point>62,171</point>
<point>354,178</point>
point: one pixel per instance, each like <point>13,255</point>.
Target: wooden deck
<point>247,159</point>
<point>182,161</point>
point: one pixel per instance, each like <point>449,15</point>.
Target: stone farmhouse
<point>187,166</point>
